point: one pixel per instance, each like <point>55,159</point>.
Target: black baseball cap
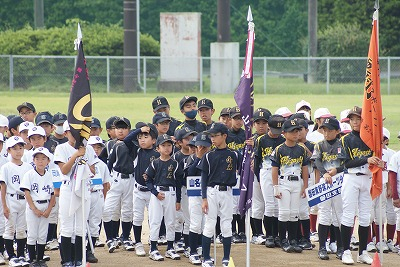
<point>95,123</point>
<point>161,139</point>
<point>330,123</point>
<point>43,117</point>
<point>202,139</point>
<point>15,122</point>
<point>302,123</point>
<point>110,122</point>
<point>186,99</point>
<point>218,127</point>
<point>59,118</point>
<point>159,102</point>
<point>261,114</point>
<point>356,110</point>
<point>183,133</point>
<point>235,111</point>
<point>205,103</point>
<point>192,141</point>
<point>153,130</point>
<point>291,125</point>
<point>160,117</point>
<point>121,121</point>
<point>224,111</point>
<point>26,105</point>
<point>301,116</point>
<point>275,123</point>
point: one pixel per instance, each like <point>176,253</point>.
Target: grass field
<point>137,107</point>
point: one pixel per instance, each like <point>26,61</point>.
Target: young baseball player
<point>202,145</point>
<point>160,104</point>
<point>99,186</point>
<point>329,157</point>
<point>218,175</point>
<point>265,145</point>
<point>188,107</point>
<point>95,127</point>
<point>162,122</point>
<point>23,132</point>
<point>13,126</point>
<point>163,178</point>
<point>394,180</point>
<point>225,118</point>
<point>356,189</point>
<point>45,120</point>
<point>37,184</point>
<point>58,121</point>
<point>289,165</point>
<point>120,164</point>
<point>67,158</point>
<point>3,160</point>
<point>27,111</point>
<point>110,128</point>
<point>206,110</point>
<point>146,137</point>
<point>13,200</point>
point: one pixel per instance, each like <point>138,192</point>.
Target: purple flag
<point>245,100</point>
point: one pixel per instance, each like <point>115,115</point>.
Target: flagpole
<point>248,238</point>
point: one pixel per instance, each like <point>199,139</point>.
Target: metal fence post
<point>388,75</point>
<point>11,73</point>
<point>327,75</point>
<point>265,75</point>
<point>108,74</point>
<point>144,74</point>
<point>201,75</point>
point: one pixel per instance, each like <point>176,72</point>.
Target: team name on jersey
<point>235,146</point>
<point>170,172</point>
<point>328,157</point>
<point>15,179</point>
<point>266,152</point>
<point>287,160</point>
<point>357,153</point>
<point>229,160</point>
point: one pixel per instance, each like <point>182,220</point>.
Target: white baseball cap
<point>66,126</point>
<point>301,104</point>
<point>3,121</point>
<point>322,113</point>
<point>26,125</point>
<point>345,127</point>
<point>344,114</point>
<point>386,133</point>
<point>13,141</point>
<point>95,140</point>
<point>42,150</point>
<point>284,112</point>
<point>36,130</point>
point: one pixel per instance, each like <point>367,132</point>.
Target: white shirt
<point>386,156</point>
<point>315,136</point>
<point>64,152</point>
<point>101,176</point>
<point>40,187</point>
<point>11,174</point>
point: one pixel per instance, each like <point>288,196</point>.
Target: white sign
<point>322,191</point>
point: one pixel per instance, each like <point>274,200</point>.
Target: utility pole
<point>130,46</point>
<point>224,21</point>
<point>38,13</point>
<point>312,40</point>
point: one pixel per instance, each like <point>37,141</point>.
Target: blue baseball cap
<point>59,118</point>
<point>183,133</point>
<point>218,127</point>
<point>43,117</point>
<point>95,123</point>
<point>203,139</point>
<point>164,138</point>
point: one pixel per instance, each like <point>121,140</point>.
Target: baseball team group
<point>185,174</point>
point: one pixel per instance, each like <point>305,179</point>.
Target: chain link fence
<point>272,75</point>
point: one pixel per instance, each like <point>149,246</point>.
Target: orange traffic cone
<point>87,264</point>
<point>376,261</point>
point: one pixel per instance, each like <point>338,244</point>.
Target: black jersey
<point>193,125</point>
<point>50,144</point>
<point>164,173</point>
<point>107,150</point>
<point>143,159</point>
<point>236,140</point>
<point>357,152</point>
<point>191,166</point>
<point>328,155</point>
<point>121,159</point>
<point>209,125</point>
<point>59,141</point>
<point>264,146</point>
<point>172,126</point>
<point>289,160</point>
<point>218,167</point>
<point>181,159</point>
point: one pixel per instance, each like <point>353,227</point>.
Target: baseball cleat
<point>91,258</point>
<point>389,243</point>
<point>354,240</point>
<point>286,246</point>
<point>277,242</point>
<point>207,263</point>
<point>99,243</point>
<point>371,247</point>
<point>2,260</point>
<point>128,246</point>
<point>162,240</point>
<point>295,246</point>
<point>172,254</point>
<point>236,238</point>
<point>339,253</point>
<point>364,258</point>
<point>139,249</point>
<point>305,244</point>
<point>242,237</point>
<point>179,247</point>
<point>156,256</point>
<point>314,237</point>
<point>111,246</point>
<point>333,247</point>
<point>323,254</point>
<point>195,259</point>
<point>46,257</point>
<point>382,246</point>
<point>347,258</point>
<point>186,253</point>
<point>225,263</point>
<point>270,242</point>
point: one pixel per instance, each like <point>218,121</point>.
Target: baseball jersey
<point>3,160</point>
<point>142,162</point>
<point>193,125</point>
<point>218,167</point>
<point>264,146</point>
<point>121,159</point>
<point>289,160</point>
<point>172,126</point>
<point>64,152</point>
<point>11,174</point>
<point>39,186</point>
<point>328,155</point>
<point>50,144</point>
<point>101,176</point>
<point>236,140</point>
<point>59,141</point>
<point>387,154</point>
<point>394,166</point>
<point>357,153</point>
<point>164,173</point>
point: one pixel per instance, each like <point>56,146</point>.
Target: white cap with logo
<point>36,130</point>
<point>26,125</point>
<point>13,141</point>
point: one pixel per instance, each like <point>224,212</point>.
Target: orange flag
<point>371,125</point>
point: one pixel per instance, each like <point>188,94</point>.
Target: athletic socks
<point>227,242</point>
<point>115,227</point>
<point>322,234</point>
<point>32,252</point>
<point>108,228</point>
<point>88,243</point>
<point>206,244</point>
<point>332,233</point>
<point>339,242</point>
<point>193,243</point>
<point>274,226</point>
<point>218,226</point>
<point>268,225</point>
<point>153,246</point>
<point>40,251</point>
<point>21,243</point>
<point>78,248</point>
<point>346,232</point>
<point>390,230</point>
<point>1,245</point>
<point>163,230</point>
<point>137,232</point>
<point>50,233</point>
<point>126,230</point>
<point>253,228</point>
<point>178,236</point>
<point>170,245</point>
<point>9,247</point>
<point>66,249</point>
<point>241,221</point>
<point>257,226</point>
<point>292,230</point>
<point>377,232</point>
<point>282,226</point>
<point>363,237</point>
<point>186,240</point>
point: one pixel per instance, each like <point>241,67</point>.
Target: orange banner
<point>371,125</point>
